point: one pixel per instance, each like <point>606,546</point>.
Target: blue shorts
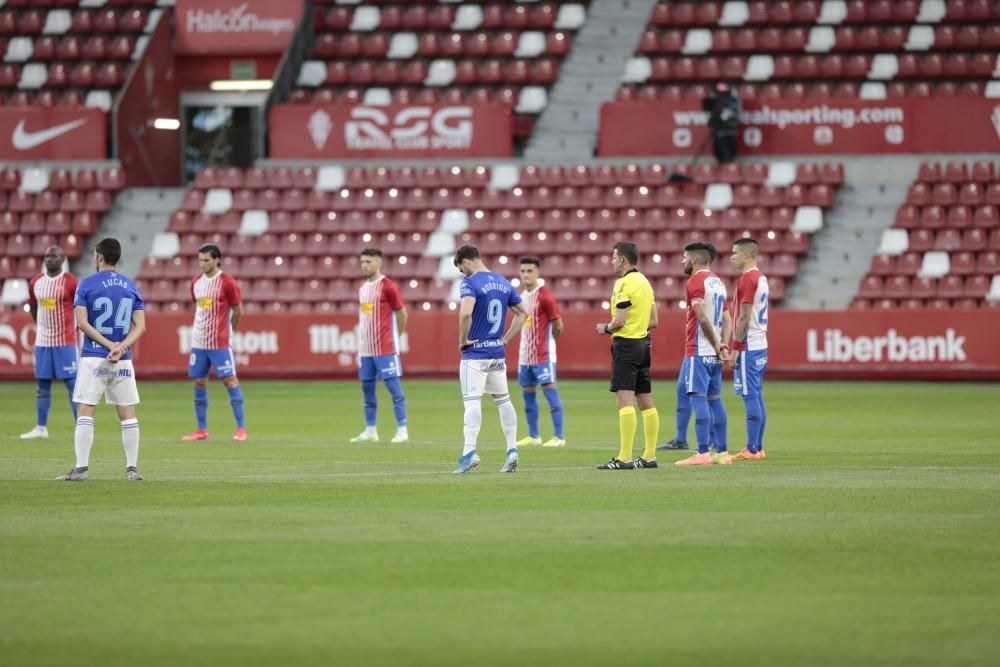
<point>203,360</point>
<point>382,367</point>
<point>56,363</point>
<point>702,375</point>
<point>533,374</point>
<point>748,378</point>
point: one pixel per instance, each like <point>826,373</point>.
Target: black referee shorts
<point>630,358</point>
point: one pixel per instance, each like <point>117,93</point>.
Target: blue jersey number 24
<point>122,318</point>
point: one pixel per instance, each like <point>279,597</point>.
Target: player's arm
<point>465,321</point>
<point>33,309</point>
<point>88,329</point>
<point>654,318</point>
<point>401,319</point>
<point>557,327</point>
<point>743,321</point>
<point>701,314</point>
<point>727,334</point>
<point>134,334</point>
<point>235,315</point>
<point>520,315</point>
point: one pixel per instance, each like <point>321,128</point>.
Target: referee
<point>634,307</point>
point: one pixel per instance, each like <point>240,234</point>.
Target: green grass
<point>871,535</point>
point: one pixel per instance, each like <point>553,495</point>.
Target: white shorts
<point>483,376</point>
<point>98,377</point>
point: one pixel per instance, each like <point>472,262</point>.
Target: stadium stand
<point>818,49</point>
<point>71,52</point>
<point>41,208</point>
<point>429,52</point>
<point>293,234</point>
<point>943,250</point>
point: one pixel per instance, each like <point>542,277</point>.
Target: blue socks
<point>236,401</point>
<point>702,421</point>
<point>755,422</point>
<point>683,415</point>
<point>70,388</point>
<point>531,412</point>
<point>719,424</point>
<point>763,422</point>
<point>201,406</point>
<point>43,401</point>
<point>398,401</point>
<point>555,407</point>
<point>371,402</point>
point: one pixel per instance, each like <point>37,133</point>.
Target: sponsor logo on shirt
<point>48,303</point>
<point>205,302</point>
<point>367,308</point>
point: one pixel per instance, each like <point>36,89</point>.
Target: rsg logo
<point>412,128</point>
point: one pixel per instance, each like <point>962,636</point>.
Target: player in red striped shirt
<point>537,358</point>
<point>218,309</point>
<point>50,300</point>
<point>381,320</point>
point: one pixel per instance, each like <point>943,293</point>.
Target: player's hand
<point>602,329</point>
<point>467,344</point>
<point>734,361</point>
<point>116,353</point>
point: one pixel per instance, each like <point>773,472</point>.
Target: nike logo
<point>24,140</point>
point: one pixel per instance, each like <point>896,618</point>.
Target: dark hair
<point>703,251</point>
<point>629,250</point>
<point>530,260</point>
<point>211,249</point>
<point>371,252</point>
<point>466,252</point>
<point>111,250</point>
<point>752,246</point>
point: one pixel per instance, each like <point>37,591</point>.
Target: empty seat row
<point>69,201</point>
<point>415,16</point>
<point>82,223</point>
<point>946,194</point>
<point>820,39</point>
<point>446,45</point>
<point>25,245</point>
<point>963,263</point>
<point>45,49</point>
<point>958,216</point>
<point>81,21</point>
<point>800,91</point>
<point>903,287</point>
<point>110,180</point>
<point>60,75</point>
<point>958,172</point>
<point>438,72</point>
<point>923,304</point>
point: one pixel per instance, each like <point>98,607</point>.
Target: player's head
<point>745,251</point>
<point>696,256</point>
<point>712,253</point>
<point>209,259</point>
<point>531,268</point>
<point>467,259</point>
<point>624,257</point>
<point>54,259</point>
<point>108,252</point>
<point>371,262</point>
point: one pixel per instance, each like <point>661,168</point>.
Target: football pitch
<point>870,535</point>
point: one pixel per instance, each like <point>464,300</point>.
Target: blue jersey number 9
<point>494,313</point>
<point>122,318</point>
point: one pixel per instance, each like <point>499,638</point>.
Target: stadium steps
<point>842,251</point>
<point>567,129</point>
<point>137,215</point>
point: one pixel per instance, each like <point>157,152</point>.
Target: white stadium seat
<point>14,293</point>
<point>570,17</point>
<point>330,178</point>
<point>808,219</point>
<point>934,265</point>
<point>34,180</point>
<point>637,70</point>
<point>57,22</point>
<point>217,200</point>
<point>441,73</point>
<point>378,96</point>
<point>505,177</point>
<point>931,11</point>
<point>718,196</point>
<point>832,12</point>
<point>454,221</point>
<point>734,14</point>
<point>165,245</point>
<point>780,174</point>
<point>532,99</point>
<point>467,17</point>
<point>697,41</point>
<point>821,39</point>
<point>920,38</point>
<point>872,90</point>
<point>759,68</point>
<point>884,67</point>
<point>311,74</point>
<point>894,242</point>
<point>994,293</point>
<point>403,45</point>
<point>19,50</point>
<point>98,99</point>
<point>530,44</point>
<point>254,223</point>
<point>366,19</point>
<point>440,244</point>
<point>33,76</point>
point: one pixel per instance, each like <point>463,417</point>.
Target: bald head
<point>54,259</point>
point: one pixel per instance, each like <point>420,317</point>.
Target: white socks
<point>473,421</point>
<point>83,440</point>
<point>508,420</point>
<point>130,440</point>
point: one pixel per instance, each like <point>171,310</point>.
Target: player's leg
<point>682,415</point>
<point>67,361</point>
<point>760,368</point>
<point>390,369</point>
<point>198,368</point>
<point>123,393</point>
<point>225,369</point>
<point>747,385</point>
<point>87,394</point>
<point>650,416</point>
<point>44,373</point>
<point>496,384</point>
<point>624,371</point>
<point>367,374</point>
<point>720,421</point>
<point>473,382</point>
<point>529,391</point>
<point>555,410</point>
<point>696,383</point>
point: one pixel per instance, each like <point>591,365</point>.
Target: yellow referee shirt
<point>634,292</point>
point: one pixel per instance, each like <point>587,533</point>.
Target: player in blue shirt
<point>109,311</point>
<point>486,297</point>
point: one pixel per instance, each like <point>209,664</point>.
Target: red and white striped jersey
<point>752,289</point>
<point>55,326</point>
<point>213,298</point>
<point>706,288</point>
<point>377,318</point>
<point>538,345</point>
